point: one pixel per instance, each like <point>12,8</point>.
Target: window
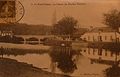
<point>100,51</point>
<point>111,54</point>
<point>111,38</point>
<point>99,38</point>
<point>105,37</point>
<point>105,52</point>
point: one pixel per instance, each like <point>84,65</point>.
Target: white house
<point>6,33</point>
<point>102,34</point>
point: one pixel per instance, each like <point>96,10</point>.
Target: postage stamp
<point>7,9</point>
<point>11,11</point>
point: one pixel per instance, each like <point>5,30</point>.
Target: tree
<point>112,19</point>
<point>65,26</point>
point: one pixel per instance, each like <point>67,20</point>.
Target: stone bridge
<point>37,37</point>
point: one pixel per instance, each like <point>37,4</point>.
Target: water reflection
<point>64,58</point>
<point>100,55</point>
<point>109,56</point>
<point>17,52</point>
<point>113,71</point>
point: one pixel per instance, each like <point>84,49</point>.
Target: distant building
<point>102,34</point>
<point>6,33</point>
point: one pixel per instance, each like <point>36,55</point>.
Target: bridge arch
<point>32,40</point>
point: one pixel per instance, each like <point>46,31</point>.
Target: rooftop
<point>102,29</point>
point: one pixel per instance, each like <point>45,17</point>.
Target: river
<point>65,60</point>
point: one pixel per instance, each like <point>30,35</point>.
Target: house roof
<point>102,29</point>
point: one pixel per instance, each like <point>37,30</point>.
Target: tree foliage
<point>64,58</point>
<point>65,26</point>
<point>112,19</point>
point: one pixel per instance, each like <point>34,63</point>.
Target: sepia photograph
<point>59,38</point>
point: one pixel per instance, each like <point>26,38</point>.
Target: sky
<point>90,14</point>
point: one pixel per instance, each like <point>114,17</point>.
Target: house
<point>6,33</point>
<point>101,34</point>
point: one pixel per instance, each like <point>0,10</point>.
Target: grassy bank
<point>24,46</point>
<point>13,68</point>
<point>15,51</point>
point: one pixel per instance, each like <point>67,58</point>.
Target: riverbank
<point>24,46</point>
<point>15,52</point>
<point>13,68</point>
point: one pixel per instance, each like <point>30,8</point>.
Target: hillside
<point>24,29</point>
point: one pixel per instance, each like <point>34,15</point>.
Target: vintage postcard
<point>59,38</point>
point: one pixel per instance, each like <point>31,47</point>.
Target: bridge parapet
<point>38,37</point>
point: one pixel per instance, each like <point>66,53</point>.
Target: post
<point>39,41</point>
<point>2,51</point>
<point>24,40</point>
